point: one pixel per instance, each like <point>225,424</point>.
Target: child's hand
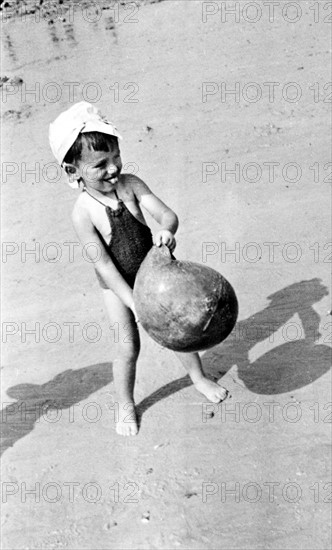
<point>165,237</point>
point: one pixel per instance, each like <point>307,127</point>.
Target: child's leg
<point>124,366</point>
<point>192,363</point>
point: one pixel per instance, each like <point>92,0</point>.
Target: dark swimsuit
<point>131,240</point>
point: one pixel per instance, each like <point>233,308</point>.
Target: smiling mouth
<point>111,180</point>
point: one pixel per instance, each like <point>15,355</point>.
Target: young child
<point>108,213</point>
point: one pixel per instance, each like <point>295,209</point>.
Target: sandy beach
<point>226,117</point>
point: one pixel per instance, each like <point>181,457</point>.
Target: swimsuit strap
<point>115,193</point>
<point>85,191</point>
<point>119,200</point>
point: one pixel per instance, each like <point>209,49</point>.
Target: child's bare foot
<point>212,391</point>
<point>127,421</point>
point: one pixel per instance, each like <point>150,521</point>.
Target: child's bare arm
<point>103,263</point>
<point>159,211</point>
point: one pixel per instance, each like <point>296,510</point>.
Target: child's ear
<point>71,171</point>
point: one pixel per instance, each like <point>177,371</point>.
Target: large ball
<point>184,306</point>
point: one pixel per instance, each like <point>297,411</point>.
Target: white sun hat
<point>80,118</point>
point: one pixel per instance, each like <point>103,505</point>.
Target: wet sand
<point>255,474</point>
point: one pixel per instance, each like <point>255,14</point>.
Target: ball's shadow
<point>284,368</point>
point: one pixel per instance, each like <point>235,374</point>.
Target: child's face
<point>99,170</point>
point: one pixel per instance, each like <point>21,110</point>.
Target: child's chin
<point>107,187</point>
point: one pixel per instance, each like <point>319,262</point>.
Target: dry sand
<point>171,486</point>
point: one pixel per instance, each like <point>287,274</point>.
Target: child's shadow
<point>33,401</point>
<point>284,368</point>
